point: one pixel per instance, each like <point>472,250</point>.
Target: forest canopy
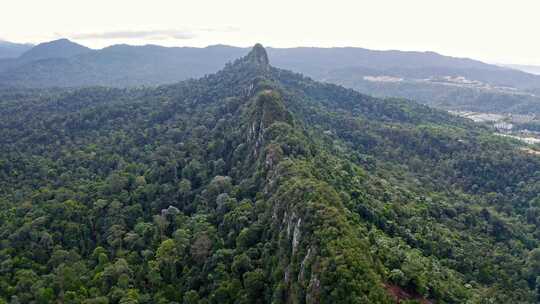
<point>259,185</point>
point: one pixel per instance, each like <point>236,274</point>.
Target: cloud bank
<point>157,34</point>
<point>146,34</point>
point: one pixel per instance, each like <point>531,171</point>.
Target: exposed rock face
<point>314,291</point>
<point>267,109</point>
<point>296,235</point>
<point>258,56</point>
<point>256,59</point>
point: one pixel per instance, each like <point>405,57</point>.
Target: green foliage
<point>257,185</point>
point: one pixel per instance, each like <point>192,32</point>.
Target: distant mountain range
<point>532,69</point>
<point>62,48</point>
<point>431,78</point>
<point>13,50</point>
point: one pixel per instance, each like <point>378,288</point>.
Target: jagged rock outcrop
<point>259,56</point>
<point>256,59</point>
<point>268,108</point>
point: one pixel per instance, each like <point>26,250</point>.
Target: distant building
<point>503,126</point>
<point>516,118</point>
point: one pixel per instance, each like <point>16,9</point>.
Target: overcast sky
<point>491,30</point>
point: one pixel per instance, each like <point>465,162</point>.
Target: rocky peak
<point>255,60</point>
<point>258,55</point>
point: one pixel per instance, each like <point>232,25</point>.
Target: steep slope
<point>259,185</point>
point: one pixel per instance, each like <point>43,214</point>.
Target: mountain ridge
<point>259,185</point>
<point>323,58</point>
<point>61,48</point>
<point>412,75</point>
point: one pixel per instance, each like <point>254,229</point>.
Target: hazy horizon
<point>502,64</point>
<point>483,30</point>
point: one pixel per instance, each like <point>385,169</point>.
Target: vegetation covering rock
<point>258,185</point>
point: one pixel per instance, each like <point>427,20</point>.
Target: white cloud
<point>140,34</point>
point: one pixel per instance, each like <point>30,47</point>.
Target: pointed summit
<point>256,59</point>
<point>258,55</point>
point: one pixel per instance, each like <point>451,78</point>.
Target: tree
<point>191,297</point>
<point>167,256</point>
<point>200,249</point>
<point>131,297</point>
<point>254,283</point>
<point>241,264</point>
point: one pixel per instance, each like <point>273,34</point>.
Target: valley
<point>521,127</point>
